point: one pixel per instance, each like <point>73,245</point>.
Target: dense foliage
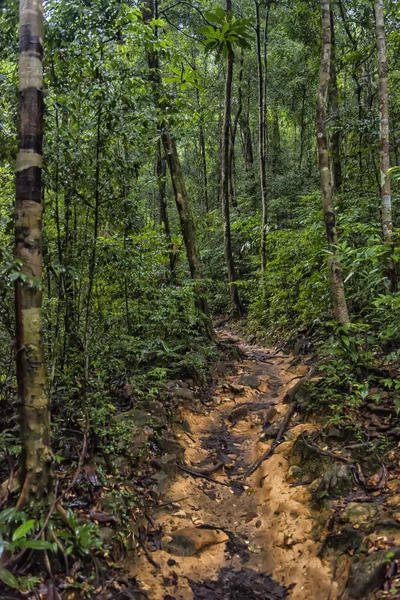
<point>120,307</point>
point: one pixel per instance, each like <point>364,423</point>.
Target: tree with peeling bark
<point>335,271</point>
<point>36,461</point>
<point>386,202</point>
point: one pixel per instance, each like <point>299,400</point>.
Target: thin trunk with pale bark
<point>335,271</point>
<point>36,473</point>
<point>186,218</point>
<point>386,202</point>
<point>230,265</point>
<point>261,137</point>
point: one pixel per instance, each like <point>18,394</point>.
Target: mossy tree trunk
<point>335,271</point>
<point>386,202</point>
<point>36,461</point>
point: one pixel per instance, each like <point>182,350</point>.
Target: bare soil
<point>266,538</point>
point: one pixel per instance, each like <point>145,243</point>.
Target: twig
<point>271,449</point>
<point>172,502</point>
<point>148,555</point>
<point>196,473</point>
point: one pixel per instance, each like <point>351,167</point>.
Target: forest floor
<point>237,490</point>
<point>223,531</point>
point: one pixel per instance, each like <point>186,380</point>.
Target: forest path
<point>224,534</point>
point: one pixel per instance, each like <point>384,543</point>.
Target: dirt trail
<point>226,535</point>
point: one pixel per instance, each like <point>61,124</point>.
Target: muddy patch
<point>245,584</point>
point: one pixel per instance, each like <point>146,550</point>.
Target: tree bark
<point>334,114</point>
<point>163,206</point>
<point>335,272</point>
<point>186,219</point>
<point>230,265</point>
<point>261,139</point>
<point>386,203</point>
<point>233,134</point>
<point>36,459</point>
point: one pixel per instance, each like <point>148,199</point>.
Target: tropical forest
<point>199,299</point>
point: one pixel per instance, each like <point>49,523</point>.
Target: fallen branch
<point>148,555</point>
<point>201,474</point>
<point>271,449</point>
<point>325,452</point>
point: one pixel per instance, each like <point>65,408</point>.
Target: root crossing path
<point>226,535</point>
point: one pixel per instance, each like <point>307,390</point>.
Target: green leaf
<point>8,578</point>
<point>216,16</point>
<point>23,529</point>
<point>38,545</point>
<point>7,514</point>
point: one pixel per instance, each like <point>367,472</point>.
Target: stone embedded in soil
<point>236,389</point>
<point>169,445</point>
<point>239,413</point>
<point>191,540</point>
<point>360,513</point>
<point>251,381</point>
<point>269,414</point>
<point>368,575</point>
<point>166,463</point>
<point>272,430</point>
<point>336,482</point>
<point>183,394</point>
<point>148,412</point>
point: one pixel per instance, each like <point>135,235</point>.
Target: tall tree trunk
<point>261,140</point>
<point>386,203</point>
<point>36,459</point>
<point>334,114</point>
<point>230,265</point>
<point>186,218</point>
<point>335,272</point>
<point>163,206</point>
<point>233,134</point>
<point>302,125</point>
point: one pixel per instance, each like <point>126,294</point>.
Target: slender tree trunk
<point>386,203</point>
<point>302,123</point>
<point>335,272</point>
<point>204,165</point>
<point>36,459</point>
<point>186,218</point>
<point>261,141</point>
<point>233,290</point>
<point>233,134</point>
<point>334,114</point>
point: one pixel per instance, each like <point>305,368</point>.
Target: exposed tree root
<point>275,443</point>
<point>325,452</point>
<point>202,474</point>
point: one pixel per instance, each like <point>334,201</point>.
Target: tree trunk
<point>36,459</point>
<point>186,219</point>
<point>163,206</point>
<point>261,140</point>
<point>233,135</point>
<point>334,114</point>
<point>386,204</point>
<point>335,272</point>
<point>233,290</point>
